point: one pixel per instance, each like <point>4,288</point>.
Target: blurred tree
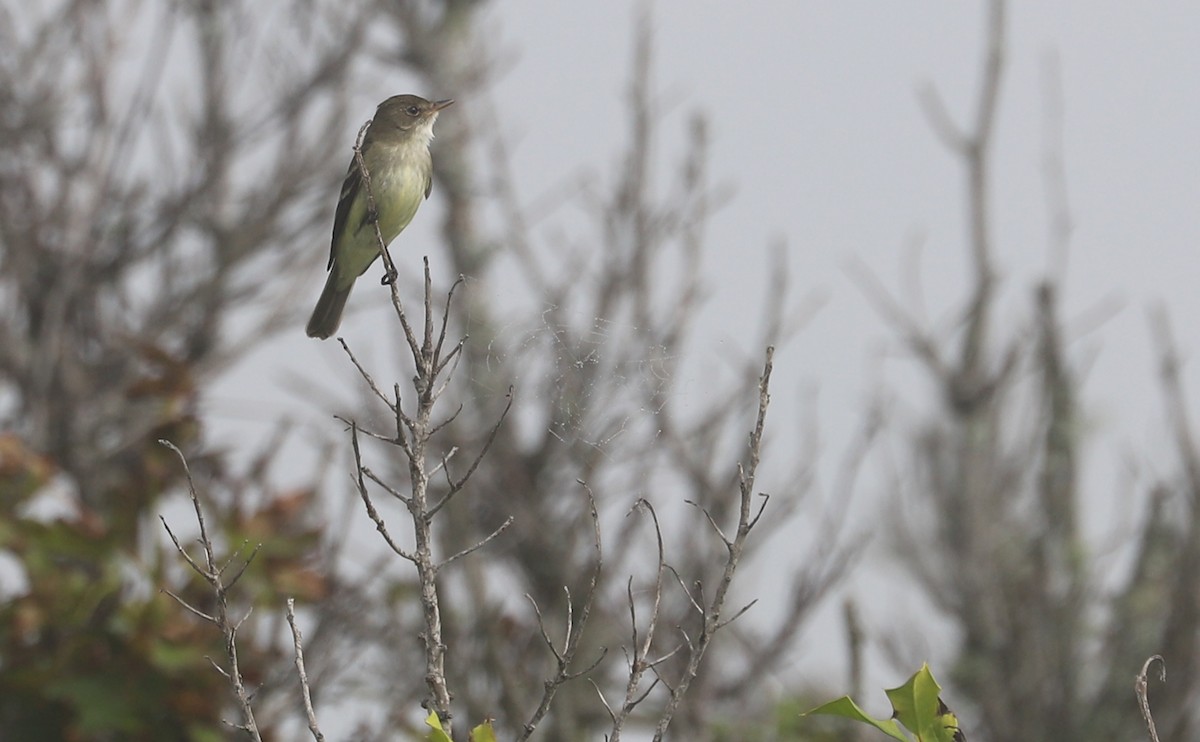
<point>148,183</point>
<point>990,514</point>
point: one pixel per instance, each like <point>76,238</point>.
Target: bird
<point>395,151</point>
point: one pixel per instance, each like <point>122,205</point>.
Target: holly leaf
<point>919,707</point>
<point>483,733</point>
<point>847,708</point>
<point>438,734</point>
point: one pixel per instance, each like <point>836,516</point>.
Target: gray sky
<point>816,124</point>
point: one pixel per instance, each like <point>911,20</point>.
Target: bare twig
<point>641,644</point>
<point>366,498</point>
<point>573,634</point>
<point>456,485</point>
<point>1139,687</point>
<point>478,545</point>
<point>919,340</point>
<point>713,615</point>
<point>298,645</point>
<point>212,574</point>
<point>395,407</point>
<point>437,351</point>
<point>386,487</point>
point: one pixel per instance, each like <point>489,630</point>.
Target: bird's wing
<point>350,187</point>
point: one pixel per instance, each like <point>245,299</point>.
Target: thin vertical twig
<point>573,635</point>
<point>1139,688</point>
<point>298,646</point>
<point>641,642</point>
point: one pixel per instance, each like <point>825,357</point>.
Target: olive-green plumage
<point>396,153</point>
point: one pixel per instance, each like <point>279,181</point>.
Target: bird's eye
<point>412,110</point>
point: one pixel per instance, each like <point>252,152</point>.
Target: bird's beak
<point>439,105</point>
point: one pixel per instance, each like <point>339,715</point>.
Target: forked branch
<point>213,574</point>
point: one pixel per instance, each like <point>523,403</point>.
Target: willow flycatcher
<point>395,151</point>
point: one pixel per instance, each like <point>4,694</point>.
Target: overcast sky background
<point>816,124</point>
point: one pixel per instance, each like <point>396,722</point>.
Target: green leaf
<point>920,709</point>
<point>483,733</point>
<point>947,729</point>
<point>847,708</point>
<point>438,734</point>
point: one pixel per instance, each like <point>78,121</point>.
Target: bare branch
<point>457,485</point>
<point>212,574</point>
<point>639,663</point>
<point>361,484</point>
<point>437,351</point>
<point>711,521</point>
<point>190,608</point>
<point>940,120</point>
<point>696,602</point>
<point>611,714</point>
<point>1139,687</point>
<point>574,632</point>
<point>890,310</point>
<point>241,569</point>
<point>414,436</point>
<point>478,545</point>
<point>370,381</point>
<point>713,619</point>
<point>386,487</point>
<point>297,643</point>
<point>183,552</point>
<point>737,615</point>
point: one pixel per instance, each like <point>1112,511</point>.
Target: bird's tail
<point>328,313</point>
